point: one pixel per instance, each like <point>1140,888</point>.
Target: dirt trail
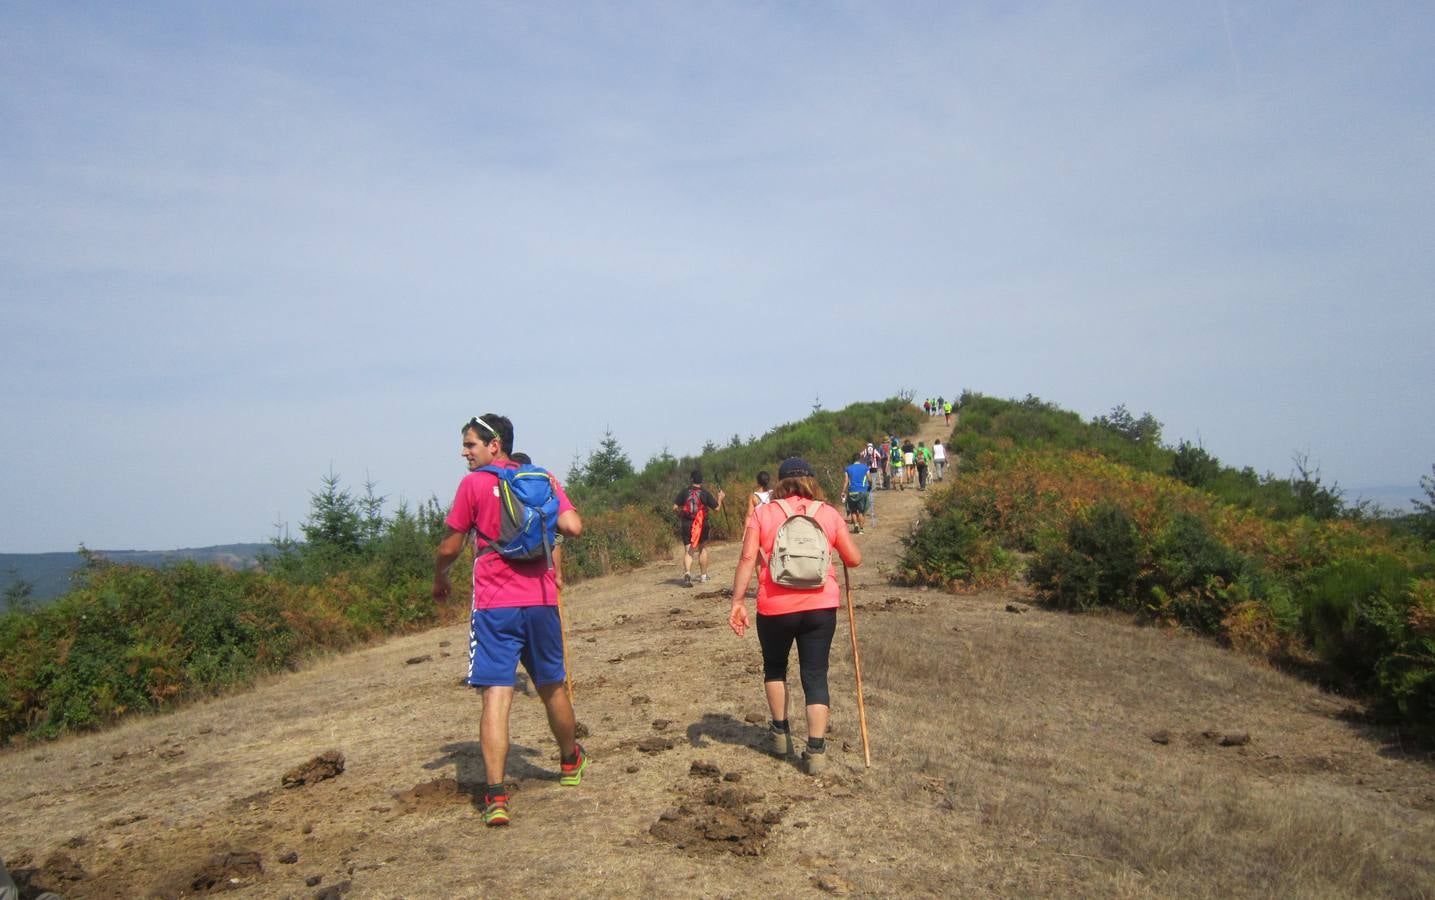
<point>998,738</point>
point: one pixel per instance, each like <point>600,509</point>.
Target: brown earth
<point>1016,752</point>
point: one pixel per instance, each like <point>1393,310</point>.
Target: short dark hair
<point>495,426</point>
<point>697,475</point>
<point>522,459</point>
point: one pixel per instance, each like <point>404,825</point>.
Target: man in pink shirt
<point>515,612</point>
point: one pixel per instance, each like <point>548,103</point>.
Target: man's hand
<point>449,546</point>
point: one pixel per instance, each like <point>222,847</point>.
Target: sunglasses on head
<point>477,420</point>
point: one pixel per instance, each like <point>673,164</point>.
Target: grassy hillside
<point>1099,514</point>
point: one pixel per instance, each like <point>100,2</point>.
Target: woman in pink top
<point>785,615</point>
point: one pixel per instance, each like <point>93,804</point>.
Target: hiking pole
<point>563,636</point>
<point>857,667</point>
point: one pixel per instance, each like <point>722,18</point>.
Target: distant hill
<point>50,573</point>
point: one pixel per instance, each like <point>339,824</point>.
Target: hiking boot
<point>779,742</point>
<point>814,763</point>
<point>572,773</point>
<point>687,579</point>
<point>495,810</point>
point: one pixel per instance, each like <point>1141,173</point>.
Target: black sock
<point>816,745</point>
<point>571,758</point>
<point>779,727</point>
<point>496,790</point>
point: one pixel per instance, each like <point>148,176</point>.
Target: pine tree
<point>334,525</point>
<point>607,464</point>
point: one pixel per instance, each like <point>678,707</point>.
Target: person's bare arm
<point>737,619</point>
<point>570,523</point>
<point>847,549</point>
<point>449,547</point>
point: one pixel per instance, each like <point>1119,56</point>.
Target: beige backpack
<point>800,554</point>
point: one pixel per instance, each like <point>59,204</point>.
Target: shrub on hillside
<point>952,552</point>
<point>1354,612</point>
<point>1097,562</point>
<point>1192,465</point>
<point>617,540</point>
<point>1351,593</point>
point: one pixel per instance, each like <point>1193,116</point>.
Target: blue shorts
<point>499,639</point>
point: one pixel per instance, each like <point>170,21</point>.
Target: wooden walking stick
<point>857,667</point>
<point>563,634</point>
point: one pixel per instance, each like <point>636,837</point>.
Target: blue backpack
<point>528,516</point>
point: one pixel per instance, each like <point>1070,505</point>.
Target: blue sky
<point>243,244</point>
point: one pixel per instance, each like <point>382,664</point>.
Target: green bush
<point>1352,613</point>
<point>1099,562</point>
<point>951,550</point>
<point>1193,465</point>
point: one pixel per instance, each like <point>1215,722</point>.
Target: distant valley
<point>50,574</point>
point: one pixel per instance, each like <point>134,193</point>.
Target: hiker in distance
<point>762,495</point>
<point>855,487</point>
<point>692,505</point>
<point>871,456</point>
<point>797,600</point>
<point>898,476</point>
<point>515,616</point>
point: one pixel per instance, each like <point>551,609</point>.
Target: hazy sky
<point>243,243</point>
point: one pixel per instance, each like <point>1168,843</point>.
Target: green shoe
<point>495,810</point>
<point>572,773</point>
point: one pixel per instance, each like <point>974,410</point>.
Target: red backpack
<point>693,503</point>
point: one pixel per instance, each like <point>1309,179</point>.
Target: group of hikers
<point>790,536</point>
<point>938,407</point>
<point>893,464</point>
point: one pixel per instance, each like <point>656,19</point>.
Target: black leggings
<point>812,630</point>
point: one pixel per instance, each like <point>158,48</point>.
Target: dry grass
<point>1029,735</point>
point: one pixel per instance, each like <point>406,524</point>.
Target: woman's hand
<point>737,620</point>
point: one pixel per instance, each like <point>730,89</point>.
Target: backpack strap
<point>490,544</point>
<point>786,510</point>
